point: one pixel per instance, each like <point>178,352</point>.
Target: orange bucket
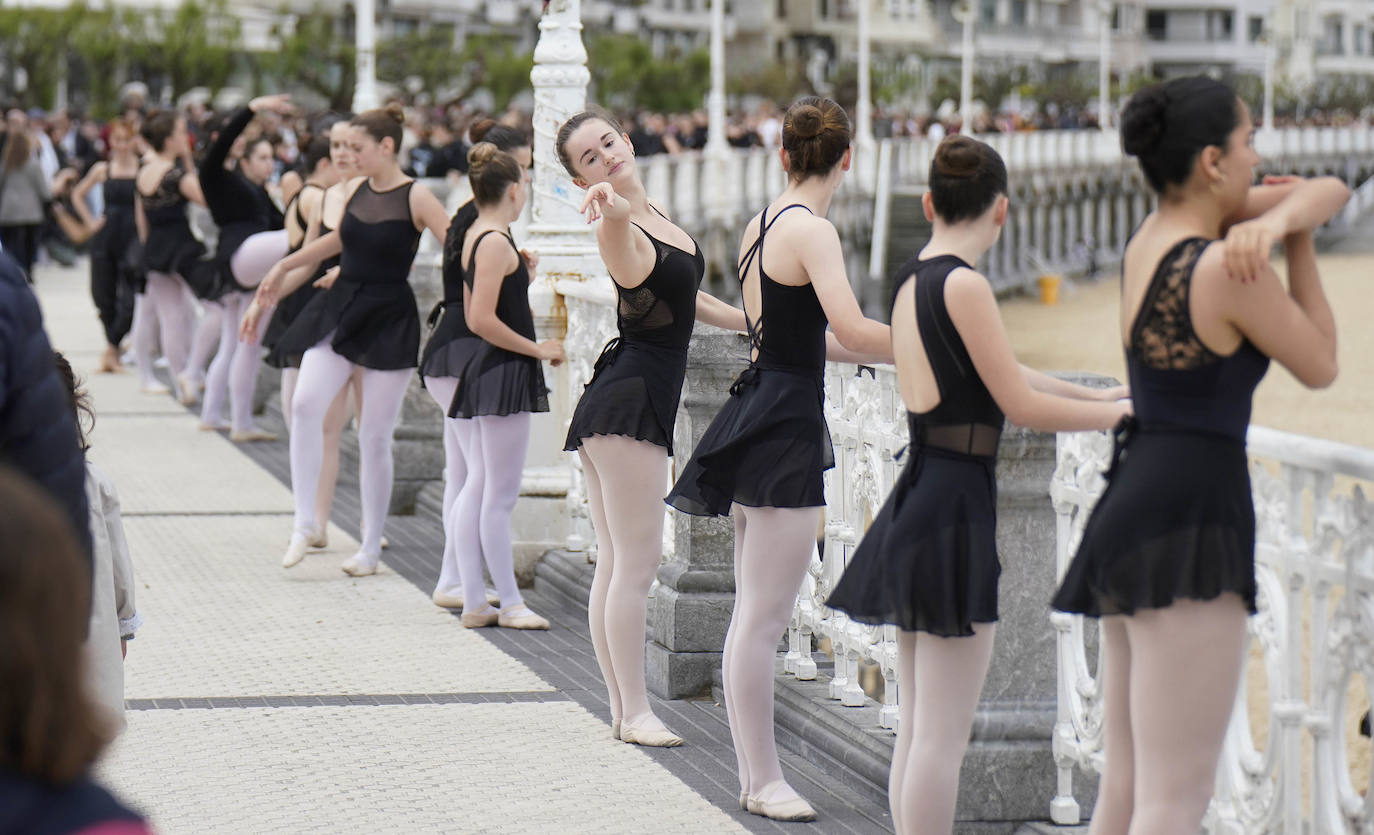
<point>1049,289</point>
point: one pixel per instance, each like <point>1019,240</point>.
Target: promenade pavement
<point>263,700</point>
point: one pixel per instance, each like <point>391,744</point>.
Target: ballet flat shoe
<point>383,544</point>
<point>615,729</point>
<point>744,801</point>
<point>213,427</point>
<point>295,552</point>
<point>251,436</point>
<point>153,387</point>
<point>360,565</point>
<point>521,620</point>
<point>478,620</point>
<point>648,738</point>
<point>318,541</point>
<point>796,809</point>
<point>448,599</point>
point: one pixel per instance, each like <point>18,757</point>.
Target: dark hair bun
<point>807,121</point>
<point>396,111</point>
<point>480,128</point>
<point>958,156</point>
<point>1143,120</point>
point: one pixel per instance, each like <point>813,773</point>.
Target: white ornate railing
<point>867,427</point>
<point>1286,766</point>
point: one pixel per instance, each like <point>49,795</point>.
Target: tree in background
<point>37,41</point>
<point>315,50</point>
<point>195,44</point>
<point>626,74</point>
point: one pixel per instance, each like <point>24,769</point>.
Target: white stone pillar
<point>567,251</point>
<point>1270,56</point>
<point>717,150</point>
<point>1104,65</point>
<point>365,41</point>
<point>965,13</point>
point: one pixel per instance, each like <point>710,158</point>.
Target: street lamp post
<point>1270,57</point>
<point>1104,64</point>
<point>964,13</point>
<point>365,30</point>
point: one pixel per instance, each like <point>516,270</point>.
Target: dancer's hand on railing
<point>327,280</point>
<point>551,351</point>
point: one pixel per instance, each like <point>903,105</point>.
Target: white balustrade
<point>1313,636</point>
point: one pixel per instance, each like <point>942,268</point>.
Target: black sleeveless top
<point>379,236</point>
<point>119,195</point>
<point>790,331</point>
<point>661,311</point>
<point>498,382</point>
<point>1176,381</point>
<point>967,417</point>
<point>170,247</point>
<point>121,229</point>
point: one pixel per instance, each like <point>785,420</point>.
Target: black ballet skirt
<point>495,382</point>
<point>929,561</point>
<point>769,445</point>
<point>451,345</point>
<point>1177,520</point>
<point>290,307</point>
<point>637,382</point>
<point>369,315</point>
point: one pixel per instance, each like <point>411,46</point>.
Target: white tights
<point>334,422</point>
<point>626,481</point>
<point>494,451</point>
<point>234,370</point>
<point>206,341</point>
<point>323,375</point>
<point>939,680</point>
<point>773,546</point>
<point>1161,758</point>
<point>455,474</point>
<point>167,311</point>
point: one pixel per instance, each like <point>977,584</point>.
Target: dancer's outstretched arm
<point>713,311</point>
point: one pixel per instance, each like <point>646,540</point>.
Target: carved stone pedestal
<point>696,594</point>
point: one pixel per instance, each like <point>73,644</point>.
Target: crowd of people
<point>313,262</point>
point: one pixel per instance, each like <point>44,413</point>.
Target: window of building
<point>1156,25</point>
<point>1018,12</point>
<point>987,11</point>
<point>824,8</point>
<point>1050,14</point>
<point>1333,36</point>
<point>1254,27</point>
<point>781,11</point>
<point>1219,25</point>
<point>1359,39</point>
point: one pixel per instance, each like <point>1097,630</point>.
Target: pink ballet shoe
<point>793,809</point>
<point>360,565</point>
<point>251,436</point>
<point>295,551</point>
<point>648,737</point>
<point>520,617</point>
<point>615,729</point>
<point>319,541</point>
<point>481,618</point>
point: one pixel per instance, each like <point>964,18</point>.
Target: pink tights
<point>166,311</point>
<point>455,474</point>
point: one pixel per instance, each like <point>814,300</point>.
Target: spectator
<point>24,196</point>
<point>37,433</point>
<point>450,151</point>
<point>50,731</point>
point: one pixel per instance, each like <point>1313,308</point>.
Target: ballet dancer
<point>1167,556</point>
<point>115,273</point>
<point>498,388</point>
<point>764,454</point>
<point>450,346</point>
<point>929,563</point>
<point>162,188</point>
<point>365,320</point>
<point>251,240</point>
<point>622,428</point>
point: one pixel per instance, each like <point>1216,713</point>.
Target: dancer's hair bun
<point>807,121</point>
<point>396,111</point>
<point>1144,121</point>
<point>481,154</point>
<point>958,156</point>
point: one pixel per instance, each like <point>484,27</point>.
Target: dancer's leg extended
<point>323,374</point>
<point>601,584</point>
<point>631,478</point>
<point>949,675</point>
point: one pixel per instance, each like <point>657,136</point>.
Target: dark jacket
<point>37,428</point>
<point>28,807</point>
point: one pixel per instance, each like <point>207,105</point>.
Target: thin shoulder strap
<point>472,255</point>
<point>756,248</point>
